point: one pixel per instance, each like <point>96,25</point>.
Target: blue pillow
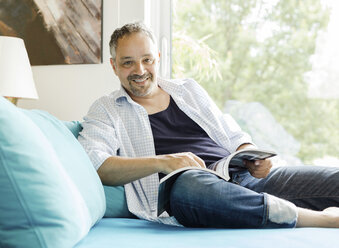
<point>73,126</point>
<point>116,204</point>
<point>74,159</point>
<point>50,193</point>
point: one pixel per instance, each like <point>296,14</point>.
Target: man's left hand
<point>259,168</point>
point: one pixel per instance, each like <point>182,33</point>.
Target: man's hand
<point>259,168</point>
<point>172,162</point>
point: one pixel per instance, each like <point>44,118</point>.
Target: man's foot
<point>329,217</point>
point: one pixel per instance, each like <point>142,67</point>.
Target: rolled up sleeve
<point>98,136</point>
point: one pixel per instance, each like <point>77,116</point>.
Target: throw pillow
<point>116,204</point>
<point>42,203</point>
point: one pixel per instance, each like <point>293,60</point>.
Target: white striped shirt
<point>117,126</point>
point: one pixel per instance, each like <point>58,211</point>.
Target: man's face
<point>136,64</point>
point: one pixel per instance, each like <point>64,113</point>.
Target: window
<point>272,64</point>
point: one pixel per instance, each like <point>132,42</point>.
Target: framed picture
<point>55,31</point>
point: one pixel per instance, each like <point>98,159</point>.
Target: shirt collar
<point>172,86</point>
<point>122,96</point>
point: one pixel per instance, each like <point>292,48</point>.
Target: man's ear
<point>113,65</point>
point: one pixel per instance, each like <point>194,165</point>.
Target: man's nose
<point>139,68</point>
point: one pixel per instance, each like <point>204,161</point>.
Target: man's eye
<point>148,61</point>
<point>127,63</point>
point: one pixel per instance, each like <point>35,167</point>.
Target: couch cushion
<point>116,204</point>
<point>44,200</point>
<point>73,126</point>
<point>144,234</point>
<point>74,159</point>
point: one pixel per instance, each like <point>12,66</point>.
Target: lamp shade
<point>16,78</point>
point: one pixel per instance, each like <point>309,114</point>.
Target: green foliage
<point>257,50</point>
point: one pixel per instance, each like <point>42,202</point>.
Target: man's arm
<point>121,170</point>
<point>246,145</point>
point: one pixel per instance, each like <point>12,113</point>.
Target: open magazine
<point>219,168</point>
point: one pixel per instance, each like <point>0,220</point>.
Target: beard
<point>141,90</point>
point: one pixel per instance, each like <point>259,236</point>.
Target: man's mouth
<point>138,79</point>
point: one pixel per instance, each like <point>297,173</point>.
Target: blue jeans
<point>201,199</point>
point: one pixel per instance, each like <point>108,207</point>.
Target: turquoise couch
<point>50,196</point>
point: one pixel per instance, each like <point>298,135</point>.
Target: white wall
<point>67,91</point>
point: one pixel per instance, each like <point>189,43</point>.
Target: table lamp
<point>16,78</point>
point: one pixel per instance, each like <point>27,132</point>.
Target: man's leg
<point>201,199</point>
<point>310,187</point>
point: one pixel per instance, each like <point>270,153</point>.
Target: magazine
<point>219,168</point>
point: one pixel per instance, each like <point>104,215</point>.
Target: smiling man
<point>136,65</point>
<point>151,126</point>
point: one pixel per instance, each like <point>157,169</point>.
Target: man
<point>153,126</point>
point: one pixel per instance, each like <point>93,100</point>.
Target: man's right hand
<point>174,161</point>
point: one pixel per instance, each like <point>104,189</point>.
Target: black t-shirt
<point>173,132</point>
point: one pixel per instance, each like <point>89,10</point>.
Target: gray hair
<point>128,29</point>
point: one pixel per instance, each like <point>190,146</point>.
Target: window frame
<point>158,16</point>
